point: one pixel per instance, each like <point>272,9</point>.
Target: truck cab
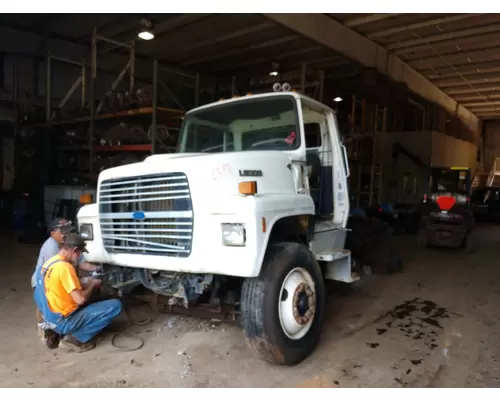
<point>257,196</point>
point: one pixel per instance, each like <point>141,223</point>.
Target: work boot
<point>69,343</point>
<point>48,337</point>
<point>52,339</point>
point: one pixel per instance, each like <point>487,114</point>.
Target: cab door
<point>334,168</point>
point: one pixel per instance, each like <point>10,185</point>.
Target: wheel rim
<point>297,303</point>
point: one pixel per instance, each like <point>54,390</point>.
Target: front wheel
<point>282,309</point>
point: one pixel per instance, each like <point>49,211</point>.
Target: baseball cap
<point>61,224</point>
<point>75,240</point>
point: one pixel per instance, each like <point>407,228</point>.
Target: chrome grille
<point>149,214</point>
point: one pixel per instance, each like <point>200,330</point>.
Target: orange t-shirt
<point>60,281</point>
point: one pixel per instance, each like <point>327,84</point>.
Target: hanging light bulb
<point>274,69</point>
<point>146,33</point>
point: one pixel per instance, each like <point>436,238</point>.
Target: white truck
<point>257,196</point>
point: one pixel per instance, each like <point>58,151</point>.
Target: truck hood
<point>213,175</point>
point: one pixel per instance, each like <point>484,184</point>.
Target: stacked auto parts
<point>122,133</point>
<point>124,100</point>
<point>165,140</point>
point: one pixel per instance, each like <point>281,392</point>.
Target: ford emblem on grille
<point>138,215</point>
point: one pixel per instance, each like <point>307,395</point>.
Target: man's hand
<point>90,281</point>
<point>81,296</point>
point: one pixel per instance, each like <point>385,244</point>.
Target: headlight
<point>233,235</point>
<point>86,231</point>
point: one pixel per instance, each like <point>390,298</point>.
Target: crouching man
<point>59,227</point>
<point>61,298</point>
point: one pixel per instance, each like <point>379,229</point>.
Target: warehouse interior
<point>84,93</point>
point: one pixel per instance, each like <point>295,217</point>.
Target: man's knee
<point>114,307</point>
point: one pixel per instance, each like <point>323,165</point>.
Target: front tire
<point>282,309</point>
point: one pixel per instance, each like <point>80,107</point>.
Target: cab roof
<point>298,96</point>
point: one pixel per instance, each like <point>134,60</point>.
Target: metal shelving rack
<point>80,81</point>
<point>91,109</point>
<point>368,125</point>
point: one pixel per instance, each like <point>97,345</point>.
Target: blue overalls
<point>84,323</point>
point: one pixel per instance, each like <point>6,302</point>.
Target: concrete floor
<point>449,337</point>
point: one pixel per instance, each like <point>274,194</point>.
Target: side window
<point>312,128</point>
<point>313,134</point>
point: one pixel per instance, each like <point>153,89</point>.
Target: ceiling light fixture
<point>275,67</point>
<point>146,33</point>
<point>337,99</point>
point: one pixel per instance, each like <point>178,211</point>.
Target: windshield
<point>449,180</point>
<point>268,123</point>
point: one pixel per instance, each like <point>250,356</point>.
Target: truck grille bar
<point>150,214</point>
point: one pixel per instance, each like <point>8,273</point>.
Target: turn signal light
<point>86,199</point>
<point>247,188</point>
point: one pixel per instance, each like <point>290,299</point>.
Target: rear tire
<point>282,309</point>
